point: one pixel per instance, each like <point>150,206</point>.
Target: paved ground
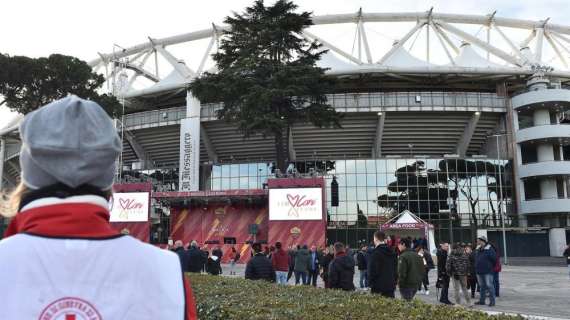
<point>536,291</point>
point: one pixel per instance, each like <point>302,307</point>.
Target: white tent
<point>407,224</point>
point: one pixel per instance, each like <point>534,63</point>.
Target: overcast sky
<point>82,28</point>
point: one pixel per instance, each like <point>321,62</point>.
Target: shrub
<point>230,298</point>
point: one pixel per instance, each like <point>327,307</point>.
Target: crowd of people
<point>386,264</point>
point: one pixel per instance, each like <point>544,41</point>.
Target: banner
<point>130,207</point>
<point>189,154</point>
<point>295,204</point>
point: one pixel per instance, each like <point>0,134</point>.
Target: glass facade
<point>456,195</point>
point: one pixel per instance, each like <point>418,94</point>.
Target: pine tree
<point>267,78</point>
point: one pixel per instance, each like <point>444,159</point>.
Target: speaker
<point>334,193</point>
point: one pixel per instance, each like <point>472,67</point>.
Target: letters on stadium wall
<point>189,154</point>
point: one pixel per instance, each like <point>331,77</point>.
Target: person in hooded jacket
<point>382,267</point>
<point>60,256</point>
<point>485,261</point>
<point>341,269</point>
<point>472,275</point>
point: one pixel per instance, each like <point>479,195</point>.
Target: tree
<point>27,83</point>
<point>267,78</point>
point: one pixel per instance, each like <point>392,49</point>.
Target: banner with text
<point>189,154</point>
<point>130,207</point>
<point>295,204</point>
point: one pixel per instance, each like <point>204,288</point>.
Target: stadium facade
<point>478,144</point>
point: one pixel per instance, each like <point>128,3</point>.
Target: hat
<point>482,238</point>
<point>71,141</point>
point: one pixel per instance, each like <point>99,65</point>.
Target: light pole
<point>500,196</point>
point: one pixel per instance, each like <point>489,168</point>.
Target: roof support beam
<point>539,41</point>
<point>377,147</point>
<point>140,152</point>
<point>136,75</point>
<point>555,47</point>
<point>515,49</point>
<point>528,39</point>
<point>178,65</point>
<point>402,41</point>
<point>362,33</point>
<point>210,150</point>
<point>310,37</point>
<point>445,37</point>
<point>207,53</point>
<point>139,70</point>
<point>476,41</point>
<point>555,37</point>
<point>465,139</point>
<point>437,33</point>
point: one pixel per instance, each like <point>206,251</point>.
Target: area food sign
<point>295,204</point>
<point>129,207</point>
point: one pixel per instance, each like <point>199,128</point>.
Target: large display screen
<point>129,207</point>
<point>295,204</point>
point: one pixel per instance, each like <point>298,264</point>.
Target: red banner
<point>219,222</point>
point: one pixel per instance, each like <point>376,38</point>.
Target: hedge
<point>220,297</point>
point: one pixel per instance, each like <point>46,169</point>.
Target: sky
<point>83,28</point>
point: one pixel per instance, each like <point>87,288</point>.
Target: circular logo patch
<point>70,309</point>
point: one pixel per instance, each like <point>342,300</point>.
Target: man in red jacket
<point>280,262</point>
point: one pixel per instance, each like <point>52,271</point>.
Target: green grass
<point>230,298</point>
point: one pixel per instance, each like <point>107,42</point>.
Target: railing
<point>349,102</point>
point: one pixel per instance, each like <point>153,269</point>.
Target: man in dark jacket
<point>484,266</point>
<point>362,262</point>
<point>291,254</point>
<point>442,276</point>
<point>259,267</point>
<point>341,269</point>
<point>280,263</point>
<point>410,270</point>
<point>382,267</point>
<point>314,265</point>
<point>195,258</point>
<point>182,255</point>
<point>328,257</point>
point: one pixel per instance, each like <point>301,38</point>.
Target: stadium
<point>458,121</point>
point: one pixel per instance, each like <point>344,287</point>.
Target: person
<point>291,254</point>
<point>195,258</point>
<point>234,258</point>
<point>457,267</point>
<point>428,265</point>
<point>218,252</point>
<point>259,267</point>
<point>362,262</point>
<point>442,276</point>
<point>328,257</point>
<point>472,275</point>
<point>213,265</point>
<point>280,263</point>
<point>314,266</point>
<point>567,255</point>
<point>60,247</point>
<point>178,248</point>
<point>496,270</point>
<point>382,267</point>
<point>410,270</point>
<point>484,265</point>
<point>341,269</point>
<point>302,262</point>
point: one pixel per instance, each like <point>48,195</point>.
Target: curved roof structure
<point>470,44</point>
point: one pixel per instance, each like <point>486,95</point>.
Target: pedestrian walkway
<point>533,291</point>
